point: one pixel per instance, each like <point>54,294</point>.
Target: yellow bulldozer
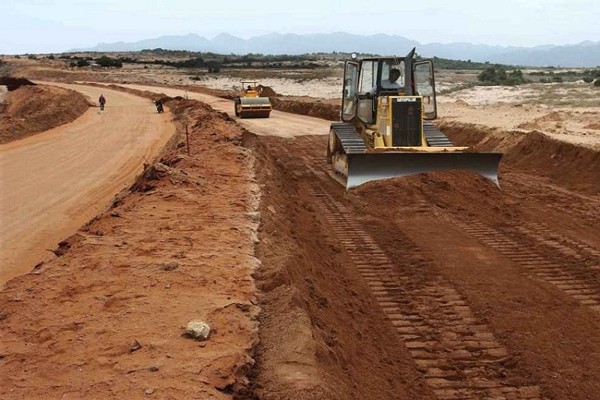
<point>386,129</point>
<point>249,104</point>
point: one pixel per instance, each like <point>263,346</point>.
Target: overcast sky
<point>42,26</point>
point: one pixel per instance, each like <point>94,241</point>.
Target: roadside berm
<point>107,318</point>
<point>30,109</point>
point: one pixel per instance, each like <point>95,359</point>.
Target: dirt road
<point>55,182</point>
<point>278,124</point>
<point>106,320</point>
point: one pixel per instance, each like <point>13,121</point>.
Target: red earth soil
<point>432,286</point>
<point>34,109</point>
<point>567,164</point>
<point>477,284</point>
<point>106,319</point>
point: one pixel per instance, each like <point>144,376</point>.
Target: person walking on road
<point>102,102</point>
<point>159,106</point>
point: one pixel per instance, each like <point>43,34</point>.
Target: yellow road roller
<point>249,104</point>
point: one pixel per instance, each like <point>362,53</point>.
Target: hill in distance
<point>585,54</point>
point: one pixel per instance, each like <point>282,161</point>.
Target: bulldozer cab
<point>385,132</point>
<point>368,80</point>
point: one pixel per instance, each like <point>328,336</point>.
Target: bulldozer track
<point>458,355</point>
<point>572,277</point>
<point>586,207</point>
<point>564,245</point>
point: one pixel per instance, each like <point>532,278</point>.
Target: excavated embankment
<point>106,319</point>
<point>467,287</point>
<point>570,165</point>
<point>321,335</point>
<point>32,109</point>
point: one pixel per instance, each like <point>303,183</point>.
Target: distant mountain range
<point>585,54</point>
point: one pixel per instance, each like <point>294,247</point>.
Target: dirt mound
<point>550,121</point>
<point>480,139</point>
<point>567,164</point>
<point>555,116</point>
<point>266,91</point>
<point>34,109</point>
<point>460,192</point>
<point>14,83</point>
<point>594,125</point>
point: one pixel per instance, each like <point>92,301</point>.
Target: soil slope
<point>34,109</point>
<point>107,318</point>
<point>55,182</point>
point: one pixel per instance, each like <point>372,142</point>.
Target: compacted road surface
<point>54,182</point>
<point>279,123</point>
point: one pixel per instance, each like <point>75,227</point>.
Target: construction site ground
<point>435,286</point>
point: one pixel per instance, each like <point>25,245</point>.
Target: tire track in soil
<point>582,206</point>
<point>566,246</point>
<point>573,278</point>
<point>459,356</point>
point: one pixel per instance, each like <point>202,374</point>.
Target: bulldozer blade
<point>363,168</point>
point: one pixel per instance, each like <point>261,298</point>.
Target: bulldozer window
<point>349,95</point>
<point>368,77</point>
<point>425,86</point>
<point>392,82</point>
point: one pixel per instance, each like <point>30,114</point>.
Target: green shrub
<point>214,68</point>
<point>82,63</point>
<point>588,79</point>
<point>558,79</point>
<point>492,76</point>
<point>597,82</point>
<point>107,62</point>
<point>497,75</point>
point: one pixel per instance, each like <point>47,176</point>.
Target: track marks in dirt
<point>322,334</point>
<point>417,289</point>
<point>564,245</point>
<point>459,357</point>
<point>534,189</point>
<point>572,278</point>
